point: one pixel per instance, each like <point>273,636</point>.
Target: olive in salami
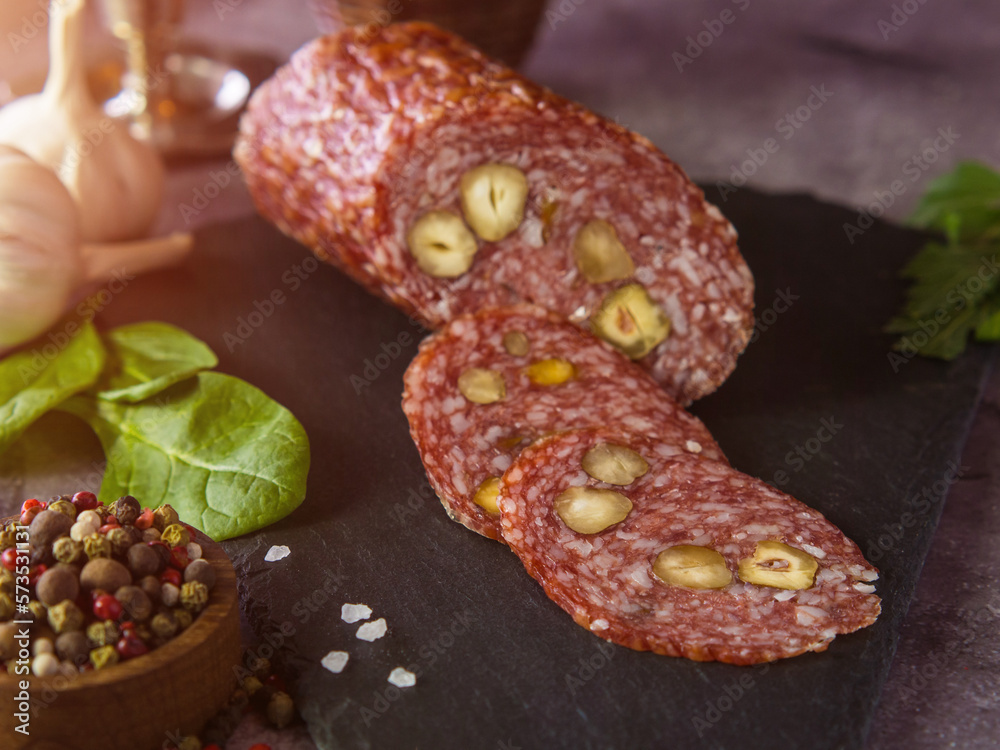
<point>680,555</point>
<point>446,183</point>
<point>488,384</point>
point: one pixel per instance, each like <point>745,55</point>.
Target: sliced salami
<point>687,558</point>
<point>488,384</point>
<point>446,183</point>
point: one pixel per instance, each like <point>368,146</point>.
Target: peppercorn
<point>6,582</point>
<point>170,594</point>
<point>103,657</point>
<point>43,646</point>
<point>84,500</point>
<point>57,584</point>
<point>201,571</point>
<point>65,507</point>
<point>151,585</point>
<point>38,610</point>
<point>175,535</point>
<point>135,602</point>
<point>120,540</point>
<point>103,633</point>
<point>73,646</point>
<point>262,667</point>
<point>251,685</point>
<point>6,607</point>
<point>126,510</point>
<point>67,551</point>
<point>48,526</point>
<point>164,516</point>
<point>162,552</point>
<point>8,644</point>
<point>65,616</point>
<point>45,665</point>
<point>104,512</point>
<point>281,710</point>
<point>164,626</point>
<point>194,596</point>
<point>8,539</point>
<point>183,617</point>
<point>104,573</point>
<point>96,545</point>
<point>150,535</point>
<point>130,645</point>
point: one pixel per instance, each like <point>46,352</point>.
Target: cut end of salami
<point>488,384</point>
<point>446,183</point>
<point>691,558</point>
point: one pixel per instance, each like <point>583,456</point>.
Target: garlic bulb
<point>116,180</point>
<point>43,266</point>
<point>40,261</point>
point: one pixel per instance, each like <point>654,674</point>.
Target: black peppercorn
<point>126,510</point>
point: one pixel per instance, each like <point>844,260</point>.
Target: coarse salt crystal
<point>277,552</point>
<point>335,661</point>
<point>355,612</point>
<point>372,631</point>
<point>402,678</point>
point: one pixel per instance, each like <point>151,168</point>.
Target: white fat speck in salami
<point>712,516</point>
<point>463,443</point>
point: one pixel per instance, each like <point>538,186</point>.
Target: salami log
<point>488,384</point>
<point>680,555</point>
<point>447,183</point>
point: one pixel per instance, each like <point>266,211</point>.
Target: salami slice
<point>695,559</point>
<point>446,183</point>
<point>488,384</point>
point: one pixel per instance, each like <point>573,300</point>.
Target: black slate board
<point>500,665</point>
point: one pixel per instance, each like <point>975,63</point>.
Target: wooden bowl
<point>143,702</point>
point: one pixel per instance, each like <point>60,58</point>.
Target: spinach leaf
<point>147,358</point>
<point>36,380</point>
<point>227,457</point>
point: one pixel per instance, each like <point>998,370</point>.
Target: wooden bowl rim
<point>175,648</point>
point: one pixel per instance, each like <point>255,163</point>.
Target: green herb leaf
<point>971,193</point>
<point>34,381</point>
<point>955,291</point>
<point>147,358</point>
<point>227,457</point>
